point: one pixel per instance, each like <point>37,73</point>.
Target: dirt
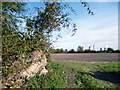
<point>87,57</point>
<point>70,78</point>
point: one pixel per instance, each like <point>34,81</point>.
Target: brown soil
<point>87,57</point>
<point>70,78</point>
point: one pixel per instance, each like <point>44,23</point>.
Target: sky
<point>100,29</point>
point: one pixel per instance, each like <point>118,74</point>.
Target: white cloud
<point>102,0</point>
<point>92,32</point>
<point>99,38</point>
<point>100,30</point>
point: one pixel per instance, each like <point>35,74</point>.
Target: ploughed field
<point>87,57</point>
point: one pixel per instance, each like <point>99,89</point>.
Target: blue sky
<point>100,30</point>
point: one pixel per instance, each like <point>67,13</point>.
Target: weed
<point>56,78</point>
<point>87,75</point>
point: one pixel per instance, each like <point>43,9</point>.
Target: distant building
<point>93,48</point>
<point>80,49</point>
<point>100,49</point>
<point>89,47</point>
<point>105,49</point>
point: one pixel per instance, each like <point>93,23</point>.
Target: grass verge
<point>64,74</point>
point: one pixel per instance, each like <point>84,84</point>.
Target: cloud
<point>87,34</point>
<point>101,38</point>
<point>100,30</point>
<point>103,0</point>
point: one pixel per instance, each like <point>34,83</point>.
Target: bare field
<point>87,57</point>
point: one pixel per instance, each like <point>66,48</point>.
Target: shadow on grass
<point>113,77</point>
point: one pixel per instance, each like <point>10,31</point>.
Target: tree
<point>52,18</point>
<point>71,51</point>
<point>117,51</point>
<point>66,50</point>
<point>39,28</point>
<point>18,43</point>
<point>52,50</point>
<point>110,50</point>
<point>86,51</point>
<point>59,50</point>
<point>80,49</point>
<point>11,37</point>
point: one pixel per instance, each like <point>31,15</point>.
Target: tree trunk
<point>39,62</point>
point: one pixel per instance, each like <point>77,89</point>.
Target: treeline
<point>108,50</point>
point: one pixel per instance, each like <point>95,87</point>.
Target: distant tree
<point>56,50</point>
<point>66,51</point>
<point>93,51</point>
<point>86,51</point>
<point>71,51</point>
<point>110,50</point>
<point>117,51</point>
<point>59,50</point>
<point>80,49</point>
<point>104,49</point>
<point>52,50</point>
<point>100,49</point>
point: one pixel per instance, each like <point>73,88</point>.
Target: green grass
<point>110,67</point>
<point>56,78</point>
<point>86,75</point>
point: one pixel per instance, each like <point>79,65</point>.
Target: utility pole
<point>89,48</point>
<point>93,48</point>
<point>100,49</point>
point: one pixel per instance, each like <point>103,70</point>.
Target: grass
<point>56,78</point>
<point>64,74</point>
